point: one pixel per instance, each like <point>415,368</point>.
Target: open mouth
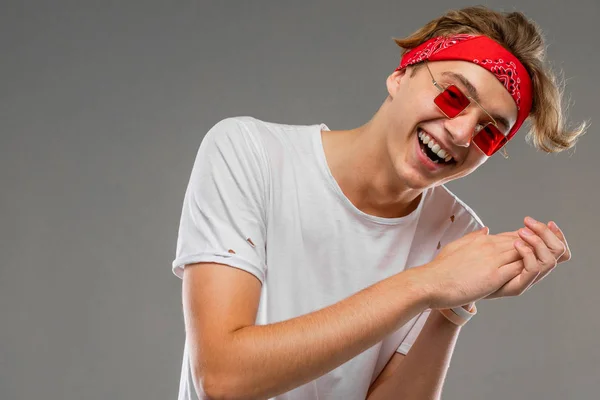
<point>433,150</point>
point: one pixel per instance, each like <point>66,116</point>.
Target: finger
<point>554,228</point>
<point>511,271</point>
<point>543,253</point>
<point>509,274</point>
<point>544,273</point>
<point>528,273</point>
<point>513,234</point>
<point>508,256</point>
<point>556,246</point>
<point>531,266</point>
<point>505,243</point>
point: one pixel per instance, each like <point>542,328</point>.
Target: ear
<point>394,81</point>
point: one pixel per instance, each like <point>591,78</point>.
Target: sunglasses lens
<point>489,139</point>
<point>452,101</point>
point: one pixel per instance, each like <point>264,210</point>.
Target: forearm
<point>263,361</point>
<point>422,373</point>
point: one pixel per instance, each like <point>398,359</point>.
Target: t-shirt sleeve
<point>223,219</point>
<point>461,223</point>
<point>413,333</point>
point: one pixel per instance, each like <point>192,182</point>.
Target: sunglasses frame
<point>471,100</point>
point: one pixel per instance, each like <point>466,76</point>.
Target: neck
<point>362,166</point>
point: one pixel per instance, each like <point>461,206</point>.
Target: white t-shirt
<point>261,198</point>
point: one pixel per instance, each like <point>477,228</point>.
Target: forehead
<point>480,84</point>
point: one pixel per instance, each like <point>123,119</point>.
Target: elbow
<point>220,376</point>
<point>208,378</point>
<point>212,386</point>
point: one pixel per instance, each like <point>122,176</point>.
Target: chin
<point>415,181</point>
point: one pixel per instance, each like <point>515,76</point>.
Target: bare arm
<point>233,358</point>
<point>421,373</point>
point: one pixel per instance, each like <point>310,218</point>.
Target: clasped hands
<point>542,247</point>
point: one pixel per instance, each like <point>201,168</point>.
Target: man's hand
<point>542,246</point>
<point>469,269</point>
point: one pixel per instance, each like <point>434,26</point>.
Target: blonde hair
<point>524,39</point>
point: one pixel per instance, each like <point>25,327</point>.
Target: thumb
<point>483,231</point>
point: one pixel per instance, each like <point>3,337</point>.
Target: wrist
<point>422,290</point>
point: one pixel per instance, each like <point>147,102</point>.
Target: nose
<point>462,128</point>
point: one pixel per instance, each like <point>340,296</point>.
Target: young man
<point>313,261</point>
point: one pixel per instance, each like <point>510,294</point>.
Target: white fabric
<point>270,183</point>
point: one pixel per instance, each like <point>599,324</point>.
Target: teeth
<point>436,148</point>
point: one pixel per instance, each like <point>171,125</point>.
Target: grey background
<point>103,106</point>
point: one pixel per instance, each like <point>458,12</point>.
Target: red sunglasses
<point>451,102</point>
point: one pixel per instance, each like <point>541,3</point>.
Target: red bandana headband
<point>486,53</point>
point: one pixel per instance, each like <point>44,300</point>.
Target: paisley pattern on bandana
<point>436,46</point>
<point>486,53</point>
<point>506,72</point>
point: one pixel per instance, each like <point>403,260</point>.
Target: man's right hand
<point>470,269</point>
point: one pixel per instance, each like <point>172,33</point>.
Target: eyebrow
<point>473,93</point>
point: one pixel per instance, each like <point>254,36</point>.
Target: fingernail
<point>553,225</point>
<point>530,220</point>
<point>526,232</point>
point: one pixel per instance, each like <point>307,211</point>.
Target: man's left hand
<point>543,247</point>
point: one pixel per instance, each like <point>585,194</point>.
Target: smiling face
<point>419,134</point>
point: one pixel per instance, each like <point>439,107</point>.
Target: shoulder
<point>270,141</point>
<point>235,137</point>
<point>253,126</point>
<point>232,128</point>
<point>250,129</point>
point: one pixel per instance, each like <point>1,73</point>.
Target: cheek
<point>418,101</point>
<point>423,105</point>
